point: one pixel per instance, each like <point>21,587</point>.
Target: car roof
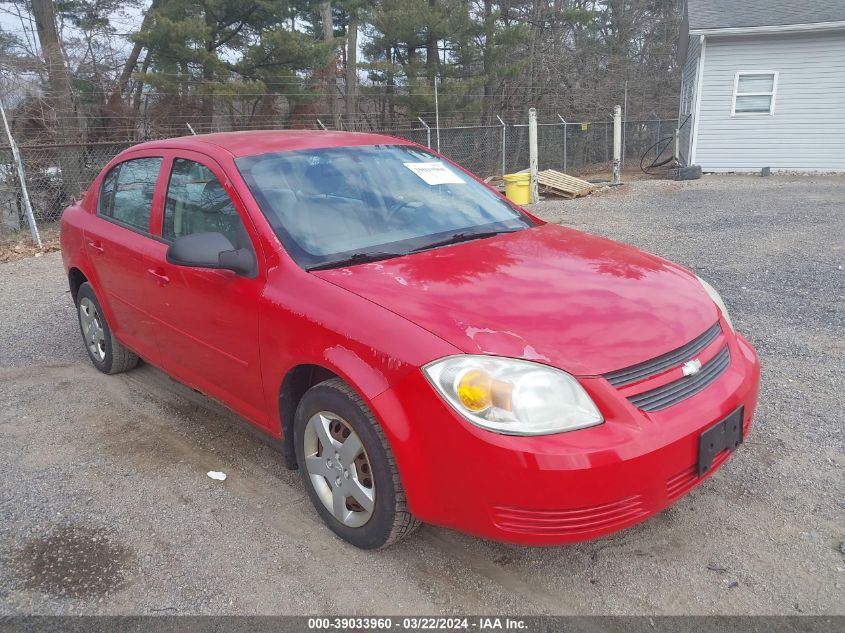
<point>254,142</point>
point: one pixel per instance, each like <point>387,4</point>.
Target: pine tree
<point>209,50</point>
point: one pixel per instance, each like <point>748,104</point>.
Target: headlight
<point>513,397</point>
<point>716,299</point>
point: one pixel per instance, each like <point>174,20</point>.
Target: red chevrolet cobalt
<point>424,350</point>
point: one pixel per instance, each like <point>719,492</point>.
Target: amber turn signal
<point>477,391</point>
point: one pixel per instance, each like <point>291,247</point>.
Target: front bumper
<point>559,488</point>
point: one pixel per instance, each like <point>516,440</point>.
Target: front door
<point>208,330</point>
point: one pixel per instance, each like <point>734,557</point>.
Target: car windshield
<point>346,205</point>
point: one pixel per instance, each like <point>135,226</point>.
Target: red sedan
<point>424,350</point>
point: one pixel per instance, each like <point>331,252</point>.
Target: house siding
<point>689,77</point>
<point>806,131</point>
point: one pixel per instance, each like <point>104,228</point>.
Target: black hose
<point>657,163</point>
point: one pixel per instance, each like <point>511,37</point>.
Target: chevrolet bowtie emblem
<point>691,367</point>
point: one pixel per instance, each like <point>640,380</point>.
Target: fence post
<point>427,132</point>
<point>625,127</point>
<point>676,144</point>
<point>532,154</point>
<point>564,140</point>
<point>504,131</point>
<point>437,113</point>
<point>30,217</point>
<point>616,177</point>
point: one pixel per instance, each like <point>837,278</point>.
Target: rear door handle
<point>157,275</point>
<point>96,247</point>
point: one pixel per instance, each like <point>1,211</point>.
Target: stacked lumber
<point>561,184</point>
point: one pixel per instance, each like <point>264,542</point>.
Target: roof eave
<point>774,28</point>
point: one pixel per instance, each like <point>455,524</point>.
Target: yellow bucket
<point>518,188</point>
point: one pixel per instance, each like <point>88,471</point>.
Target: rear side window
<point>198,203</point>
<point>127,192</point>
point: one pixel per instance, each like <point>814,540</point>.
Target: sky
<point>126,20</point>
<point>15,85</point>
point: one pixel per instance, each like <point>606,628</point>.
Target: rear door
<point>208,319</point>
<point>120,245</point>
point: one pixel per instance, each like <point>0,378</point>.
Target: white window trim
<point>772,94</point>
<point>699,90</point>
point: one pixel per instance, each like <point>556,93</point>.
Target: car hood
<point>549,294</point>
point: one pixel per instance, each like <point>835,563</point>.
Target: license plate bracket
<point>726,434</point>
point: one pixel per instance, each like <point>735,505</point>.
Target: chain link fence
<point>56,174</point>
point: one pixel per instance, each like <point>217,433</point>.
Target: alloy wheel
<point>339,468</point>
<point>92,329</point>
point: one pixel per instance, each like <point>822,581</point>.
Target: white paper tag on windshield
<point>435,173</point>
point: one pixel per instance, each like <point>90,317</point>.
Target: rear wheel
<point>348,469</point>
<point>106,352</point>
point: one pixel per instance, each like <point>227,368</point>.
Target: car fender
<point>367,379</point>
<point>72,240</point>
<point>366,345</point>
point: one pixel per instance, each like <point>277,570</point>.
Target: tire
<point>107,354</point>
<point>340,409</point>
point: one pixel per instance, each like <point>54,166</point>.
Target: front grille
<point>649,368</point>
<point>688,386</point>
<point>572,521</point>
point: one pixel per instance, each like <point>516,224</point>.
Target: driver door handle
<point>157,275</point>
<point>95,246</point>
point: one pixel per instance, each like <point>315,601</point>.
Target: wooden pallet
<point>561,184</point>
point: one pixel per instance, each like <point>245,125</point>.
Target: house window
<point>754,93</point>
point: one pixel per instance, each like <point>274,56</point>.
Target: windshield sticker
<point>435,173</point>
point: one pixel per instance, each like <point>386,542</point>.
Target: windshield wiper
<point>461,237</point>
<point>356,258</point>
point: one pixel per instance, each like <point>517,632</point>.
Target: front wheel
<point>348,469</point>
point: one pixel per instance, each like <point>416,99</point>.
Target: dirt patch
<point>73,562</point>
<point>20,245</point>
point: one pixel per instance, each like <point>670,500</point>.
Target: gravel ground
<point>106,507</point>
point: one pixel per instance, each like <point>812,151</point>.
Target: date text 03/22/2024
<point>418,624</point>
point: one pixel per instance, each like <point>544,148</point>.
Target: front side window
<point>127,191</point>
<point>197,203</point>
<point>754,93</point>
<point>339,205</point>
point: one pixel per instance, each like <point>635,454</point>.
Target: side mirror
<point>211,250</point>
